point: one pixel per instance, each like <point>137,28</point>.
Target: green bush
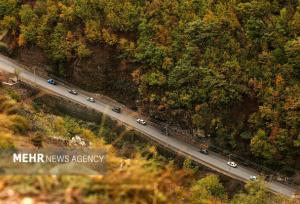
<point>14,95</point>
<point>6,141</point>
<point>19,124</point>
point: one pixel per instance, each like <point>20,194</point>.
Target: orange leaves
<point>292,103</point>
<point>209,17</point>
<point>136,76</point>
<point>279,81</point>
<point>21,40</point>
<point>162,34</point>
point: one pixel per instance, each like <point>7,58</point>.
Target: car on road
<point>73,92</point>
<point>203,151</point>
<point>116,109</point>
<point>51,81</point>
<point>90,99</point>
<point>141,121</point>
<point>164,130</point>
<point>252,178</point>
<point>232,164</point>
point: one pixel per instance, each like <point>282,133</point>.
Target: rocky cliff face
<point>104,72</point>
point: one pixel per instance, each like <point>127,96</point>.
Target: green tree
<point>9,23</point>
<point>60,44</point>
<point>255,193</point>
<point>260,146</point>
<point>292,49</point>
<point>207,189</point>
<point>8,7</point>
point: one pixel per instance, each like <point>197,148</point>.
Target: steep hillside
<point>139,180</point>
<point>144,177</point>
<point>229,67</point>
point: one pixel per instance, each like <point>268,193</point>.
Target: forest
<point>229,67</point>
<point>146,176</point>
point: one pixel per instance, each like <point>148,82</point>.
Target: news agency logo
<point>42,158</point>
<point>53,162</point>
<point>28,158</point>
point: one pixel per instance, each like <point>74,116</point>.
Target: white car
<point>141,121</point>
<point>90,99</point>
<point>252,178</point>
<point>232,164</point>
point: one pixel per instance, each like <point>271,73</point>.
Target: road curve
<point>212,160</point>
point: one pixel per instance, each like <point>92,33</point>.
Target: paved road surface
<point>212,160</point>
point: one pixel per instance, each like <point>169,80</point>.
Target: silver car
<point>141,121</point>
<point>232,164</point>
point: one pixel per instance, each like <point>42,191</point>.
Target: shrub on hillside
<point>19,124</point>
<point>6,141</point>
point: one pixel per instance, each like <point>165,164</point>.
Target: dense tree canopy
<point>230,67</point>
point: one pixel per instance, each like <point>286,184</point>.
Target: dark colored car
<point>51,81</point>
<point>73,92</point>
<point>116,109</point>
<point>204,151</point>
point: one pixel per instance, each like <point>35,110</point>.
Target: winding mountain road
<point>213,161</point>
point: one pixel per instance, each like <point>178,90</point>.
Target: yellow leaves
<point>9,122</point>
<point>208,190</point>
<point>82,50</point>
<point>136,76</point>
<point>279,80</point>
<point>67,13</point>
<point>88,134</point>
<point>267,112</point>
<point>58,124</point>
<point>185,98</point>
<point>6,104</point>
<point>153,97</point>
<point>4,122</point>
<point>6,141</point>
<point>92,30</point>
<point>167,63</point>
<point>109,37</point>
<point>152,150</point>
<point>111,17</point>
<point>19,123</point>
<point>131,46</point>
<point>292,103</point>
<point>60,5</point>
<point>234,20</point>
<point>155,78</point>
<point>21,40</point>
<point>209,17</point>
<point>8,23</point>
<point>97,178</point>
<point>69,36</point>
<point>123,43</point>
